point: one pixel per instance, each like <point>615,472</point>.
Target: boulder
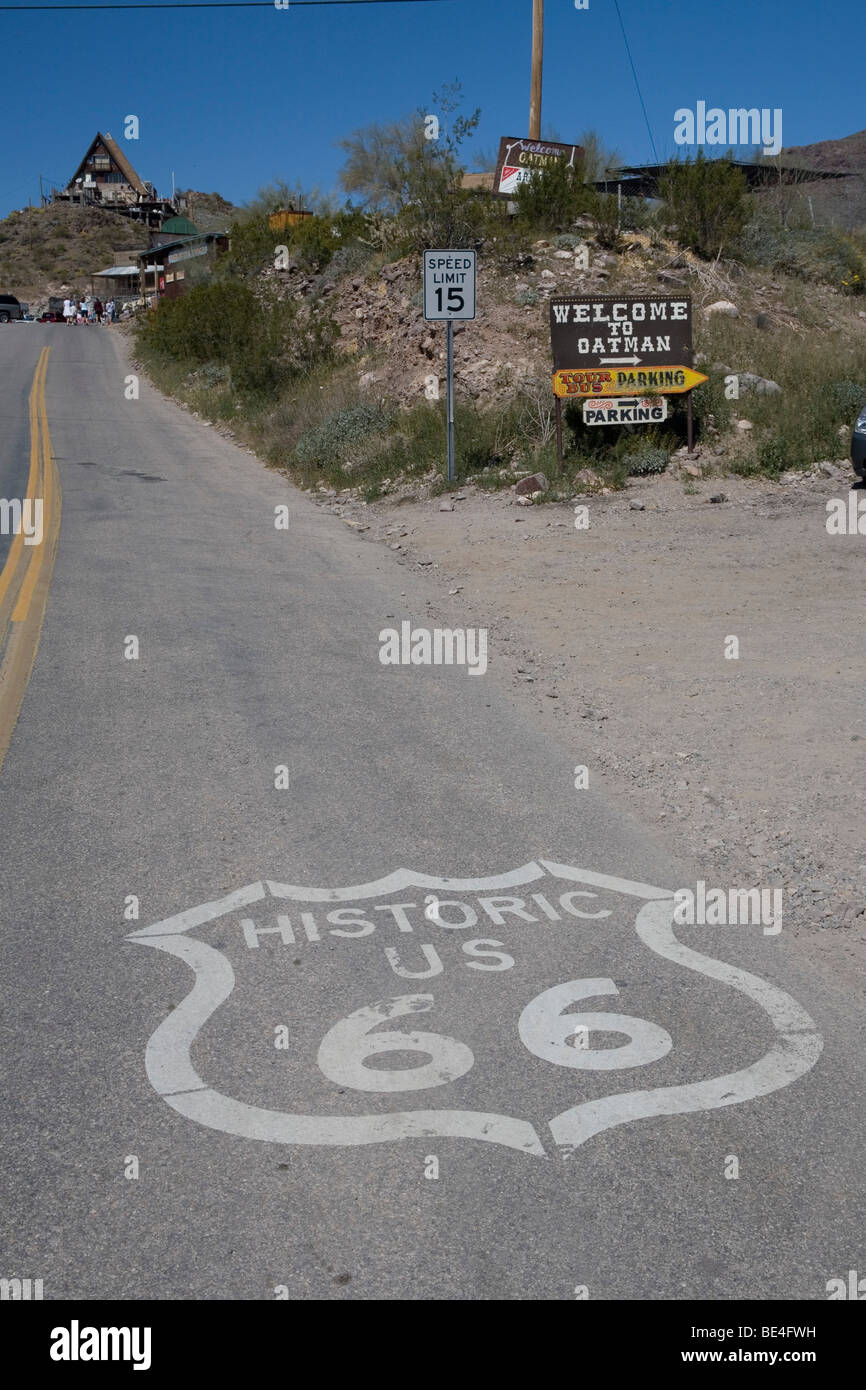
<point>751,384</point>
<point>723,306</point>
<point>535,483</point>
<point>585,480</point>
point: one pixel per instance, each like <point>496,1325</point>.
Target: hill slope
<point>44,250</point>
<point>842,203</point>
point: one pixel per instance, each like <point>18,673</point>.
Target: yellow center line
<point>41,487</point>
<point>12,559</point>
<point>19,652</point>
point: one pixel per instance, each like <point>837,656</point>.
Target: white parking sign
<point>449,285</point>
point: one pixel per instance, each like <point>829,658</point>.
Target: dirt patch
<point>615,637</point>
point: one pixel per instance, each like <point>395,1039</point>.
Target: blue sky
<point>233,100</point>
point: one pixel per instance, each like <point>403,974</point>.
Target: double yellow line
<point>26,576</point>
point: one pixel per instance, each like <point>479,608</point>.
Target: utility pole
<point>537,57</point>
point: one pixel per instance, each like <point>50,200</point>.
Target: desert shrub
<point>252,248</point>
<point>311,242</point>
<point>849,398</point>
<point>348,259</point>
<point>224,322</point>
<point>527,297</point>
<point>646,460</point>
<point>330,443</point>
<point>810,253</point>
<point>774,456</point>
<point>606,214</point>
<point>707,200</point>
<point>554,196</point>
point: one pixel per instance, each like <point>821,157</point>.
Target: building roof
<point>485,181</point>
<point>119,158</point>
<point>181,241</point>
<point>642,180</point>
<point>116,271</point>
<point>180,226</point>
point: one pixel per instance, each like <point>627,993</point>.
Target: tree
<point>394,164</point>
<point>554,196</point>
<point>377,161</point>
<point>707,200</point>
<point>598,159</point>
<point>280,194</point>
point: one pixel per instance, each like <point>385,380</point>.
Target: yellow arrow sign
<point>625,381</point>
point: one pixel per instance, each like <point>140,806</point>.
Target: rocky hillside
<point>44,251</point>
<point>840,203</point>
<point>209,211</point>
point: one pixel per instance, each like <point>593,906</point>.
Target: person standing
<point>97,309</point>
<point>68,310</point>
<point>109,311</point>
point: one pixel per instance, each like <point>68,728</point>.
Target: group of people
<point>89,311</point>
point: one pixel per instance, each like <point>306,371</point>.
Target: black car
<point>10,308</point>
<point>858,444</point>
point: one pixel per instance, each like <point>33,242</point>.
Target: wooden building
<point>164,269</point>
<point>105,178</point>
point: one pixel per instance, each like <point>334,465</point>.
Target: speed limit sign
<point>449,285</point>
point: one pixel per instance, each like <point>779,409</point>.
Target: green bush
<point>849,398</point>
<point>809,253</point>
<point>224,322</point>
<point>647,460</point>
<point>707,200</point>
<point>606,213</point>
<point>554,196</point>
<point>330,443</point>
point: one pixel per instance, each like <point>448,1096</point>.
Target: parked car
<point>10,308</point>
<point>858,444</point>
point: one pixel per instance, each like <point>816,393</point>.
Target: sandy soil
<point>617,634</point>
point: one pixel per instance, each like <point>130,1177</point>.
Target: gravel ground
<point>615,635</point>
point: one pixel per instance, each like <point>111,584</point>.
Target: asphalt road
<point>520,1155</point>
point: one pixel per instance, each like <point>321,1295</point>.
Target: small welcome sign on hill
<point>518,159</point>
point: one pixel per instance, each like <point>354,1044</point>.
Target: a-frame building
<point>106,176</point>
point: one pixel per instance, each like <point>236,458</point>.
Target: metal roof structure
<point>180,226</point>
<point>642,180</point>
<point>116,270</point>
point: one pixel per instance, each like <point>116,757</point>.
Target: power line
<point>636,83</point>
<point>219,5</point>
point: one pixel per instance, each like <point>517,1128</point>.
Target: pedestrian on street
<point>109,312</point>
<point>97,309</point>
<point>68,310</point>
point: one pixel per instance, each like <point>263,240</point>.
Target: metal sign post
<point>449,294</point>
<point>449,340</point>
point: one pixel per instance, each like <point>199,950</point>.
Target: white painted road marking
<point>543,1027</point>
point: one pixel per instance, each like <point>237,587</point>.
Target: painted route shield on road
<point>532,1009</point>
